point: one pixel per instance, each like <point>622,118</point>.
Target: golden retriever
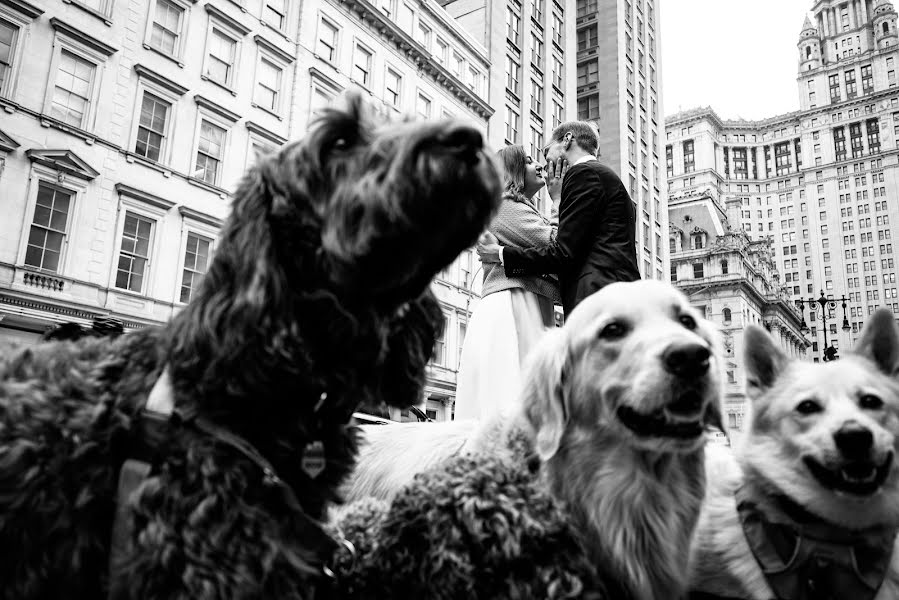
<point>616,404</point>
<point>809,505</point>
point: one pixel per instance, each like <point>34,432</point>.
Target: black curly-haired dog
<point>317,299</point>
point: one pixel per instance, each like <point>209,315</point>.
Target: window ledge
<point>163,54</point>
<point>93,12</point>
<point>267,110</point>
<point>131,157</point>
<point>216,83</point>
<point>280,32</point>
<point>207,186</point>
<point>48,121</point>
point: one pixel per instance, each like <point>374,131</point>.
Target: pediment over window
<point>64,161</point>
<point>7,144</point>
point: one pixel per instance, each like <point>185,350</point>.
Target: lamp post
<point>823,305</point>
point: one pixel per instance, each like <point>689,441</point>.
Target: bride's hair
<point>514,163</point>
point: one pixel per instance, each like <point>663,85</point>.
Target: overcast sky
<point>737,56</point>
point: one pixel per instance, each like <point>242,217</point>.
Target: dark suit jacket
<point>595,244</point>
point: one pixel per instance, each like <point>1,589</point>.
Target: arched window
<point>698,241</point>
<point>724,267</point>
<point>727,315</point>
<point>886,28</point>
<point>808,51</point>
<point>672,245</point>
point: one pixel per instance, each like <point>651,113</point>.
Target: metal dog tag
<point>313,462</point>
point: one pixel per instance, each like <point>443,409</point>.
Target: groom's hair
<point>584,135</point>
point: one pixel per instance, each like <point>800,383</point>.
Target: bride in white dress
<point>513,312</point>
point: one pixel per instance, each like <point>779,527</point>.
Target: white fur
<point>779,436</point>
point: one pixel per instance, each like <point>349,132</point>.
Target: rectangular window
<point>536,50</point>
<point>851,90</point>
<point>196,261</point>
<point>513,24</point>
<point>558,114</point>
<point>210,152</point>
<point>557,30</point>
<point>134,255</point>
<point>513,75</point>
<point>361,65</point>
<point>8,34</point>
<point>669,161</point>
<point>72,90</point>
<point>327,41</point>
<point>689,163</point>
<point>873,129</point>
<point>741,170</point>
<point>165,33</point>
<point>48,228</point>
<point>393,86</point>
<point>839,143</point>
<point>274,13</point>
<point>834,84</point>
<point>423,106</point>
<point>782,158</point>
<point>557,73</point>
<point>222,51</point>
<point>867,80</point>
<point>588,107</point>
<point>697,271</point>
<point>268,85</point>
<point>588,72</point>
<point>151,129</point>
<point>585,8</point>
<point>513,125</point>
<point>587,38</point>
<point>536,97</point>
<point>855,139</point>
<point>423,35</point>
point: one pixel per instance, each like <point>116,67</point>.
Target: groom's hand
<point>488,248</point>
<point>555,173</point>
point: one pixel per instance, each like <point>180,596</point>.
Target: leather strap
<point>814,560</point>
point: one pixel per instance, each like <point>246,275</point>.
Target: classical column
<point>823,29</point>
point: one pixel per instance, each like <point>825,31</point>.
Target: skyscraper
<point>820,182</point>
<point>619,90</point>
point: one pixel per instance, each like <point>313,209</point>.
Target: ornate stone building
<point>733,281</point>
<point>822,182</point>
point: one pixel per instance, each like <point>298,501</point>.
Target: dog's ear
<point>764,360</point>
<point>543,396</point>
<point>879,341</point>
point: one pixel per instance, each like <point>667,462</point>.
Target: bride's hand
<point>488,248</point>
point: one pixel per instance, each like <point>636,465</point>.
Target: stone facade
<point>733,281</point>
<point>821,183</point>
<point>127,125</point>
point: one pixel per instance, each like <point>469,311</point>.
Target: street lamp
<point>823,305</point>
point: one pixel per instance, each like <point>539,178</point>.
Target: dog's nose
<point>463,138</point>
<point>687,360</point>
<point>854,440</point>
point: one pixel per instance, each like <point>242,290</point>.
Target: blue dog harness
<point>804,558</point>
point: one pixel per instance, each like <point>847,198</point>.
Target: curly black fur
<point>319,285</point>
<point>480,526</point>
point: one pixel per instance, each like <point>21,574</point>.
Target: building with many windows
<point>733,281</point>
<point>619,90</point>
<point>821,183</point>
<point>126,127</point>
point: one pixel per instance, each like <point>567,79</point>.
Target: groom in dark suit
<point>595,243</point>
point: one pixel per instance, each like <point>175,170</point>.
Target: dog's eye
<point>613,331</point>
<point>808,407</point>
<point>688,322</point>
<point>870,402</point>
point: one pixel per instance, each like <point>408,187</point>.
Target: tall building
<point>733,281</point>
<point>126,127</point>
<point>821,182</point>
<point>619,90</point>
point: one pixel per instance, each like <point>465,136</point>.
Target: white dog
<point>809,508</point>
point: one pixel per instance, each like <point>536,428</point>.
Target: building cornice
<point>164,82</point>
<point>265,133</point>
<point>227,19</point>
<point>218,109</point>
<point>376,20</point>
<point>91,42</point>
<point>25,8</point>
<point>147,198</point>
<point>273,49</point>
<point>189,213</point>
<point>7,143</point>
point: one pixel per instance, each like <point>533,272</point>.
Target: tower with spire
<point>884,23</point>
<point>809,47</point>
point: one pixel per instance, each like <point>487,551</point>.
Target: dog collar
<point>810,559</point>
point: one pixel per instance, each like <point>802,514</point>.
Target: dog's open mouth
<point>657,424</point>
<point>859,478</point>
